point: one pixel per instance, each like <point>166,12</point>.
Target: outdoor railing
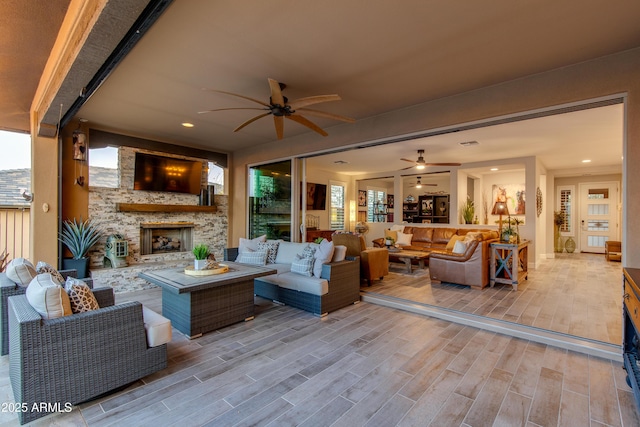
<point>14,231</point>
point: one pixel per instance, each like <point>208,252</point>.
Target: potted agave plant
<point>79,237</point>
<point>201,252</point>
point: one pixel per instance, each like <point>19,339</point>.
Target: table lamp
<point>500,208</point>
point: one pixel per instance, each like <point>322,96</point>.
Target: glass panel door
<point>270,201</point>
<point>598,215</point>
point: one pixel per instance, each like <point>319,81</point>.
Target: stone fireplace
<point>161,238</point>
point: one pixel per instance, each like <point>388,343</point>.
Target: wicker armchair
<point>9,289</point>
<point>75,358</point>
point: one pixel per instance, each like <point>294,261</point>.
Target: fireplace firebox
<point>161,238</point>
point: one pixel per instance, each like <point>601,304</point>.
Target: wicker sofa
<point>337,286</point>
<point>72,359</point>
<point>8,288</point>
<point>470,268</point>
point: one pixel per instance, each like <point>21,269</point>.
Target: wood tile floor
<point>361,365</point>
<point>578,294</point>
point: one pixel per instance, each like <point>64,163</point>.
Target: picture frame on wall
<point>362,198</point>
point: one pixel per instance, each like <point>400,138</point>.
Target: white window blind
<point>337,207</point>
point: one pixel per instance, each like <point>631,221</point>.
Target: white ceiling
<point>561,142</point>
<point>379,56</point>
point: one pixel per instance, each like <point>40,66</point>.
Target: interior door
<point>599,218</point>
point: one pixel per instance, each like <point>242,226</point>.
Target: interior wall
<point>325,177</point>
<point>606,76</point>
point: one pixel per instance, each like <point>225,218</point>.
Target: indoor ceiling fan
<point>280,107</point>
<point>421,164</point>
<point>419,184</point>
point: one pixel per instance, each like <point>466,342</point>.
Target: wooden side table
<point>509,263</point>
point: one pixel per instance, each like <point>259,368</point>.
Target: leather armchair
<point>374,262</point>
<point>470,268</point>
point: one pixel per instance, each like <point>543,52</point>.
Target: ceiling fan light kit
<point>280,107</point>
<point>421,164</point>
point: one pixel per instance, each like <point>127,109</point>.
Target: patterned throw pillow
<point>303,266</point>
<point>43,267</point>
<point>247,245</point>
<point>271,247</point>
<point>80,296</point>
<point>253,258</point>
<point>308,252</point>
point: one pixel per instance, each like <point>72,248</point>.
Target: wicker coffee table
<point>407,256</point>
<point>199,304</point>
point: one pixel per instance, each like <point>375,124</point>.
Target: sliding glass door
<point>270,200</point>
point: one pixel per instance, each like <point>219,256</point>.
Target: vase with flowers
<point>558,220</point>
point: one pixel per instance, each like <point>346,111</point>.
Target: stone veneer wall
<point>210,228</point>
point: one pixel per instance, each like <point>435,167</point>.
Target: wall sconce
<point>28,196</point>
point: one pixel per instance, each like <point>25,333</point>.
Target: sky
<point>15,149</point>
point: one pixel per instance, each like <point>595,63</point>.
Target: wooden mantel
<point>145,207</point>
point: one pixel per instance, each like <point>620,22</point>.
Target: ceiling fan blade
<point>276,93</point>
<point>326,115</point>
<point>225,109</point>
<point>239,96</point>
<point>278,121</point>
<point>307,123</point>
<point>310,100</point>
<point>442,164</point>
<point>248,122</point>
<point>407,160</point>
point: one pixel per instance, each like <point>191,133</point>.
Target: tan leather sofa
<point>470,268</point>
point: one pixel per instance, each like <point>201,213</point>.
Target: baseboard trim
<point>556,339</point>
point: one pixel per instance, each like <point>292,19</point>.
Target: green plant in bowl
<point>201,251</point>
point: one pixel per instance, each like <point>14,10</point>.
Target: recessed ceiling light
<point>494,169</point>
<point>586,161</point>
<point>469,143</point>
<point>187,124</point>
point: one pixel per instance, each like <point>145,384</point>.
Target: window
<point>215,177</point>
<point>270,201</point>
<point>565,203</point>
<point>376,205</point>
<point>103,167</point>
<point>337,207</point>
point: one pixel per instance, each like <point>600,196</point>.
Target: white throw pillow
<point>303,266</point>
<point>398,227</point>
<point>253,258</point>
<point>246,244</point>
<point>339,253</point>
<point>404,239</point>
<point>21,271</point>
<point>459,247</point>
<point>323,254</point>
<point>47,297</point>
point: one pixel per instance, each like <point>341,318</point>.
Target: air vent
<point>340,162</point>
<point>469,143</point>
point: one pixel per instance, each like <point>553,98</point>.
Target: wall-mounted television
<point>159,173</point>
<point>316,196</point>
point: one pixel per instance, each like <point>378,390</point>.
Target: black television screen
<point>158,173</point>
<point>316,196</point>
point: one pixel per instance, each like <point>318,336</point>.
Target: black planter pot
<point>80,265</point>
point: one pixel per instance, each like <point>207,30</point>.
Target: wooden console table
<point>314,234</point>
<point>509,263</point>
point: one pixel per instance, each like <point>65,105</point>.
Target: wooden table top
<point>175,279</point>
<point>408,253</point>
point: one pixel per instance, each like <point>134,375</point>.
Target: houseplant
<point>468,211</point>
<point>558,220</point>
<point>79,236</point>
<point>201,252</point>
